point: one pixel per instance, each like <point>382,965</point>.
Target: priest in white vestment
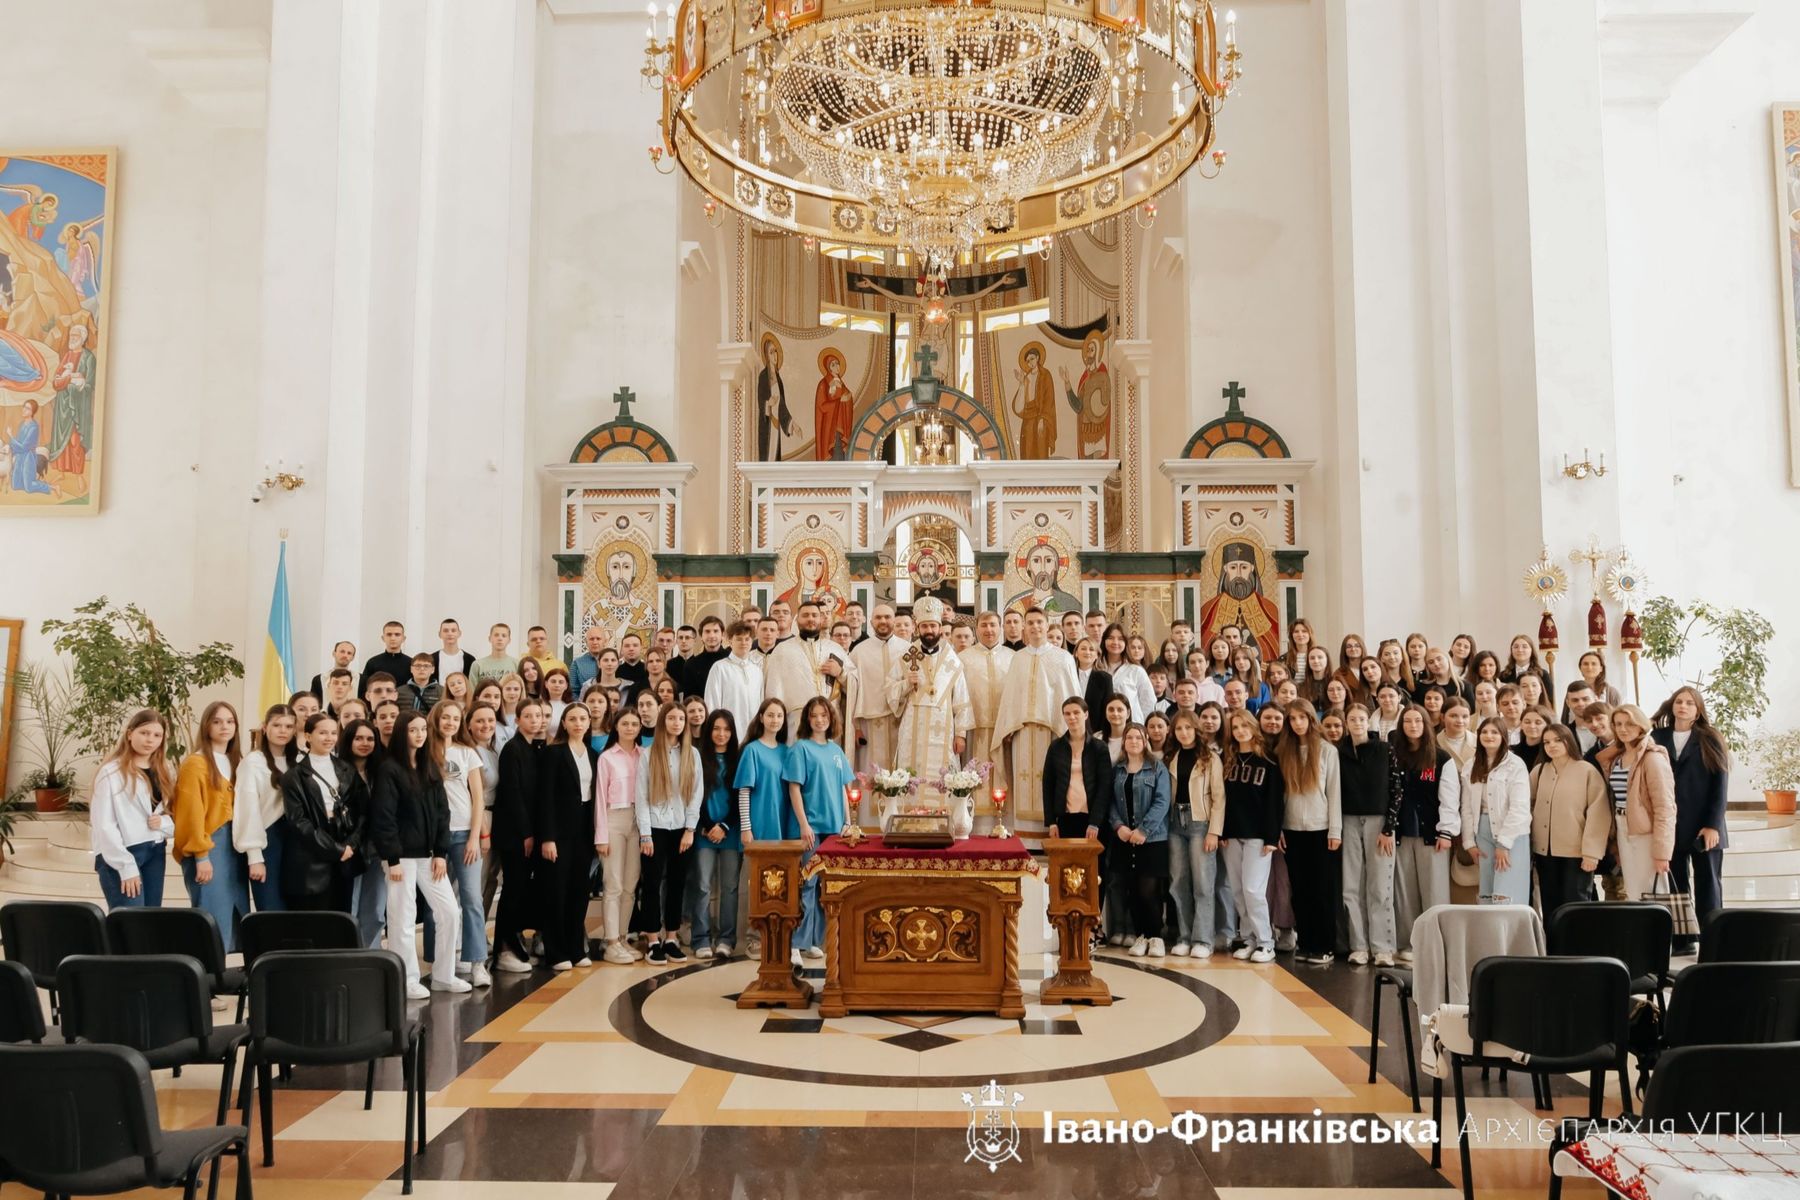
<point>874,658</point>
<point>931,697</point>
<point>984,666</point>
<point>1041,677</point>
<point>807,665</point>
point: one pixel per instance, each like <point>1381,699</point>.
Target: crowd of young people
<point>1314,801</point>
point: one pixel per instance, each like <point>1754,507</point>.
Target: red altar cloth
<point>971,854</point>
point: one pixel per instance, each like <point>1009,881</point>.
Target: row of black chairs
<point>315,998</point>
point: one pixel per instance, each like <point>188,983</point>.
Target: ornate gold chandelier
<point>937,127</point>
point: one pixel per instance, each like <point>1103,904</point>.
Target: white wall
<point>1703,434</point>
<point>183,332</point>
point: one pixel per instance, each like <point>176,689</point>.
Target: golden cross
<point>921,934</point>
<point>1593,556</point>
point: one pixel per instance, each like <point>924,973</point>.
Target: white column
<point>398,184</point>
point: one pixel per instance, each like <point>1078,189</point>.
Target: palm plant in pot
<point>1778,769</point>
<point>50,747</point>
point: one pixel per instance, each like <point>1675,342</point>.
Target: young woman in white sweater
<point>1312,830</point>
<point>128,820</point>
<point>669,790</point>
<point>259,828</point>
<point>1496,816</point>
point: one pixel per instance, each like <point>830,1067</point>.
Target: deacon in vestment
<point>808,665</point>
<point>984,666</point>
<point>1041,677</point>
<point>873,659</point>
<point>931,697</point>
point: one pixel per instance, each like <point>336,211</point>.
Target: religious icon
<point>773,420</point>
<point>690,43</point>
<point>792,13</point>
<point>621,566</point>
<point>1091,398</point>
<point>1033,403</point>
<point>813,580</point>
<point>1240,602</point>
<point>1119,14</point>
<point>1040,562</point>
<point>833,404</point>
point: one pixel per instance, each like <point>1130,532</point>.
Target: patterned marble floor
<point>645,1084</point>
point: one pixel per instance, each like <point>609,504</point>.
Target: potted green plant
<point>13,810</point>
<point>122,662</point>
<point>1736,689</point>
<point>46,701</point>
<point>1778,769</point>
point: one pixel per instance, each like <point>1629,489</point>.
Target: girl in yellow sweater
<point>211,867</point>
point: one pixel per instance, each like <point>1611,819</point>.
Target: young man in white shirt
<point>735,682</point>
<point>452,659</point>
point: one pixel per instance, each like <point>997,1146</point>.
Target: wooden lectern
<point>1073,880</point>
<point>774,881</point>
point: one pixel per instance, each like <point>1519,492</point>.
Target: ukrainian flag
<point>278,648</point>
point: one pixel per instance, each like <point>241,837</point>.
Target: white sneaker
<point>1139,947</point>
<point>584,961</point>
<point>636,954</point>
<point>1117,939</point>
<point>462,969</point>
<point>1384,959</point>
<point>560,967</point>
<point>1200,950</point>
<point>753,945</point>
<point>1242,952</point>
<point>1405,957</point>
<point>617,953</point>
<point>452,984</point>
<point>1156,948</point>
<point>1359,958</point>
<point>703,953</point>
<point>813,954</point>
<point>417,991</point>
<point>1287,939</point>
<point>1263,955</point>
<point>1181,950</point>
<point>725,950</point>
<point>479,977</point>
<point>512,964</point>
<point>795,959</point>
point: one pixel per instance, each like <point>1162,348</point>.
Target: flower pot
<point>55,799</point>
<point>1779,803</point>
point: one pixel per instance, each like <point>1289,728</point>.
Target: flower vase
<point>962,814</point>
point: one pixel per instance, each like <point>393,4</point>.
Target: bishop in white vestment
<point>931,697</point>
<point>984,666</point>
<point>1041,677</point>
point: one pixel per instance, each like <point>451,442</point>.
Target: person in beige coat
<point>1570,822</point>
<point>1641,785</point>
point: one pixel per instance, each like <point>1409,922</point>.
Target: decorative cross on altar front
<point>925,357</point>
<point>624,398</point>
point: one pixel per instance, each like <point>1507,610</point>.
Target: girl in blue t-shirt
<point>818,779</point>
<point>761,798</point>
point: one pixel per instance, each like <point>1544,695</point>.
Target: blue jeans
<point>726,866</point>
<point>811,929</point>
<point>466,881</point>
<point>371,904</point>
<point>267,894</point>
<point>1191,877</point>
<point>226,897</point>
<point>152,860</point>
<point>1511,886</point>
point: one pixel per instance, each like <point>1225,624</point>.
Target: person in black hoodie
<point>1427,822</point>
<point>1077,811</point>
<point>326,804</point>
<point>392,661</point>
<point>409,823</point>
<point>1255,802</point>
<point>564,822</point>
<point>1371,802</point>
<point>514,837</point>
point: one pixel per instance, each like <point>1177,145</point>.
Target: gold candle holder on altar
<point>999,830</point>
<point>853,834</point>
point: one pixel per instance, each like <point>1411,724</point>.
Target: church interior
<point>901,352</point>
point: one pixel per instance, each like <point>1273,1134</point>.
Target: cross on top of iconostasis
<point>1233,392</point>
<point>925,358</point>
<point>624,398</point>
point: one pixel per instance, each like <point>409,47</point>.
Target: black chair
<point>189,931</point>
<point>1751,935</point>
<point>333,1007</point>
<point>21,1016</point>
<point>1635,932</point>
<point>41,933</point>
<point>1734,1004</point>
<point>1560,1014</point>
<point>91,1126</point>
<point>1401,980</point>
<point>261,932</point>
<point>1714,1089</point>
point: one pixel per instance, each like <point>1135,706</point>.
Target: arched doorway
<point>925,396</point>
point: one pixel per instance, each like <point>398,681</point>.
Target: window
<point>845,318</point>
<point>903,353</point>
<point>861,254</point>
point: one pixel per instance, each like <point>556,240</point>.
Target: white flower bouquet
<point>960,782</point>
<point>891,783</point>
